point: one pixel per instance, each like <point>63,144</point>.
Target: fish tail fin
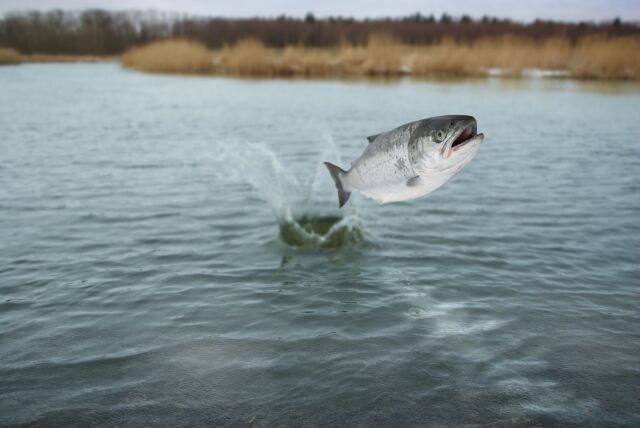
<point>337,173</point>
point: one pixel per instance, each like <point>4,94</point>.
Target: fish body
<point>411,160</point>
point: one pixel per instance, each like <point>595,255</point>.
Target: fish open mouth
<point>465,136</point>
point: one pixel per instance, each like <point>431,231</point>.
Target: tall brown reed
<point>170,56</point>
<point>592,57</point>
<point>599,57</point>
<point>9,56</point>
<point>248,57</point>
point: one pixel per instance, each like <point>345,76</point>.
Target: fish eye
<point>440,135</point>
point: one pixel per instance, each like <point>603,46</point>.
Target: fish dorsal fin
<point>372,137</point>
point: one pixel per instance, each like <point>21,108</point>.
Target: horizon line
<point>424,17</point>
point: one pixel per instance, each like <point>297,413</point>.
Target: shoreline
<point>12,57</point>
<point>526,74</point>
<point>47,58</point>
<point>381,58</point>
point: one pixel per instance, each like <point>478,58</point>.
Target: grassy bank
<point>590,57</point>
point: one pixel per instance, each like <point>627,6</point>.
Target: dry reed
<point>170,56</point>
<point>248,57</point>
<point>510,55</point>
<point>599,57</point>
<point>592,57</point>
<point>9,56</point>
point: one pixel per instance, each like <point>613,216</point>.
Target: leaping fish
<point>411,160</point>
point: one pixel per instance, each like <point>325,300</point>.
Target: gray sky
<point>527,10</point>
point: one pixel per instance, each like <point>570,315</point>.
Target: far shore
<point>612,58</point>
<point>48,58</point>
<point>12,57</point>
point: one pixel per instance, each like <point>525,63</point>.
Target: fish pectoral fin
<point>413,181</point>
<point>372,137</point>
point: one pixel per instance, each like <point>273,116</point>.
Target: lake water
<point>172,254</point>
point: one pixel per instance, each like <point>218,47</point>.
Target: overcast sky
<point>527,10</point>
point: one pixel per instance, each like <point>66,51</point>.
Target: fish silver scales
<point>411,160</point>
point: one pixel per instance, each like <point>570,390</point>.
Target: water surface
<point>172,254</point>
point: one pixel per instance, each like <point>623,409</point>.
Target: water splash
<point>305,206</point>
<point>322,232</point>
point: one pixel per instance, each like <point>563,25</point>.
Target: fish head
<point>444,144</point>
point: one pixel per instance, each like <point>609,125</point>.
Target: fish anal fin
<point>413,181</point>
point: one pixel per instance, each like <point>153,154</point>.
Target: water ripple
<point>175,256</point>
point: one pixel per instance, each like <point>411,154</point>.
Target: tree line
<point>100,32</point>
